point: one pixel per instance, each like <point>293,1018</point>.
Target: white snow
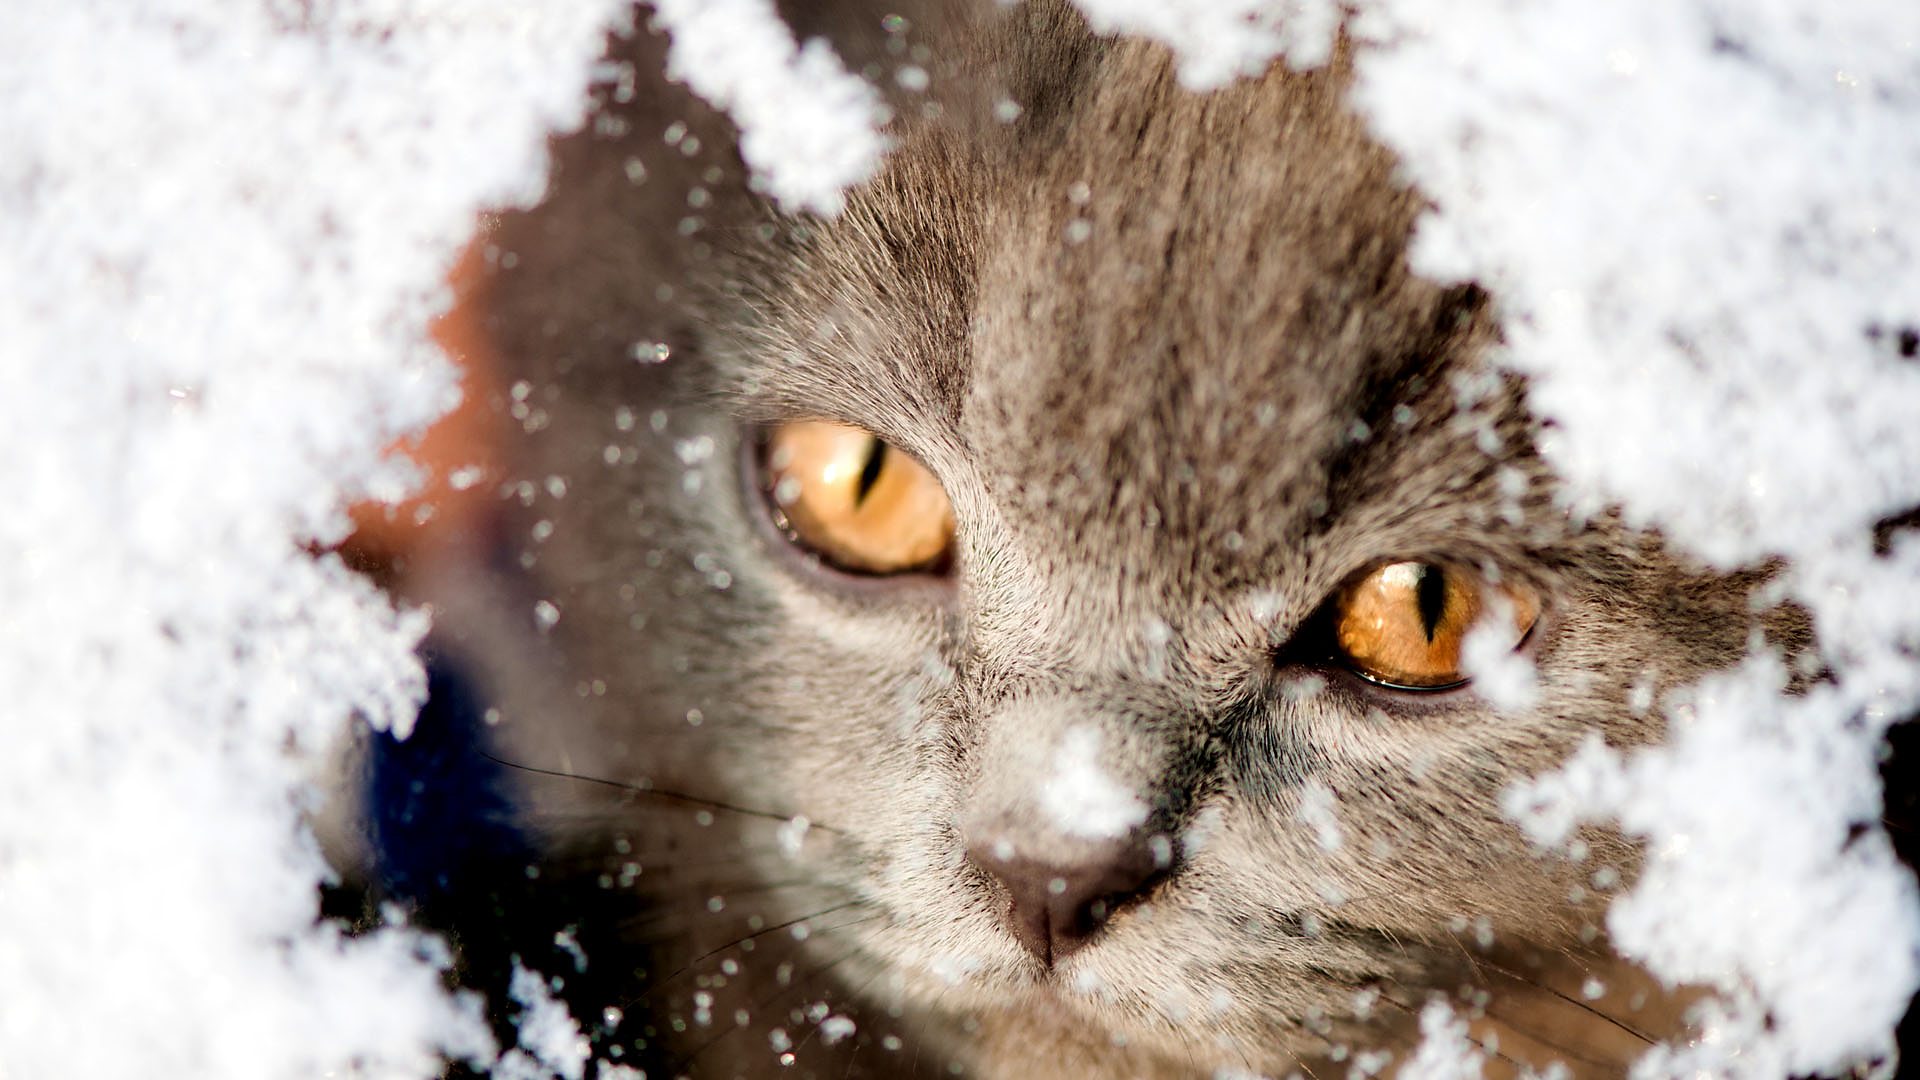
<point>227,226</point>
<point>546,1031</point>
<point>1446,1052</point>
<point>1503,676</point>
<point>1691,213</point>
<point>1220,40</point>
<point>1747,815</point>
<point>808,127</point>
<point>1081,798</point>
<point>1317,811</point>
<point>792,836</point>
<point>835,1028</point>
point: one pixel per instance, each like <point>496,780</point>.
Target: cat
<point>1015,626</point>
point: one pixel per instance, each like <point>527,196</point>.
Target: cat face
<point>1105,767</point>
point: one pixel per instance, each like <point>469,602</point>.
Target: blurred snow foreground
<point>227,224</point>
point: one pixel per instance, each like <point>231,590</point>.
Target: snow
<point>808,127</point>
<point>227,226</point>
<point>1318,811</point>
<point>1503,676</point>
<point>1748,815</point>
<point>1692,213</point>
<point>1217,41</point>
<point>792,836</point>
<point>1446,1052</point>
<point>550,1042</point>
<point>835,1028</point>
<point>1081,798</point>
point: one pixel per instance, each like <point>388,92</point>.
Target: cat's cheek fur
<point>1309,926</point>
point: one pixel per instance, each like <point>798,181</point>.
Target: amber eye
<point>1402,624</point>
<point>856,501</point>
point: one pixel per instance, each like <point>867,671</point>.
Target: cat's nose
<point>1055,907</point>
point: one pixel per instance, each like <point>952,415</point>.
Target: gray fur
<point>1168,436</point>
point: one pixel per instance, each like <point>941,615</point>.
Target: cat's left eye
<point>855,500</point>
<point>1405,624</point>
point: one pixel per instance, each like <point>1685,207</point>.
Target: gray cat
<point>1017,627</point>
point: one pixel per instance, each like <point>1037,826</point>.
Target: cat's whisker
<point>927,1017</point>
<point>1241,1049</point>
<point>671,927</point>
<point>699,895</point>
<point>859,992</point>
<point>761,959</point>
<point>1567,1054</point>
<point>680,926</point>
<point>1473,962</point>
<point>760,933</point>
<point>757,1005</point>
<point>816,971</point>
<point>1519,1068</point>
<point>1390,891</point>
<point>1584,1006</point>
<point>752,887</point>
<point>648,791</point>
<point>680,867</point>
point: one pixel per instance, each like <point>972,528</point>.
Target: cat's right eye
<point>855,500</point>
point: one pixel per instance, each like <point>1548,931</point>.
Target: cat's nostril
<point>1056,906</point>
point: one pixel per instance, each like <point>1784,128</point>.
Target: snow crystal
<point>228,225</point>
<point>835,1028</point>
<point>792,835</point>
<point>546,1031</point>
<point>1219,40</point>
<point>1502,675</point>
<point>1081,798</point>
<point>1692,214</point>
<point>1446,1052</point>
<point>808,127</point>
<point>1316,811</point>
<point>1786,906</point>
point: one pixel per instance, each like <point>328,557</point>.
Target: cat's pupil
<point>1430,592</point>
<point>870,471</point>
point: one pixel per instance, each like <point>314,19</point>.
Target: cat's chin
<point>1043,1029</point>
<point>1112,1009</point>
<point>1048,1028</point>
<point>1078,1019</point>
